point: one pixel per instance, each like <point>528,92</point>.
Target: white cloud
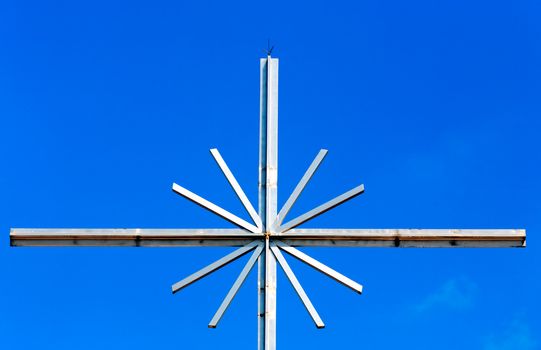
<point>517,336</point>
<point>453,294</point>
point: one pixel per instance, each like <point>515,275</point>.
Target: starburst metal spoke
<point>322,208</point>
<point>299,188</point>
<point>236,187</point>
<point>214,208</point>
<point>297,286</point>
<point>214,266</point>
<point>337,276</point>
<point>236,286</point>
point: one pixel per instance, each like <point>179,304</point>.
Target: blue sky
<point>434,106</point>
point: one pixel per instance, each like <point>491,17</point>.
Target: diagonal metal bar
<point>236,286</point>
<point>337,276</point>
<point>214,208</point>
<point>297,286</point>
<point>322,208</point>
<point>299,188</point>
<point>236,187</point>
<point>214,266</point>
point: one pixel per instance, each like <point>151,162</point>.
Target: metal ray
<point>236,286</point>
<point>320,267</point>
<point>236,187</point>
<point>322,208</point>
<point>214,266</point>
<point>300,187</point>
<point>297,286</point>
<point>214,208</point>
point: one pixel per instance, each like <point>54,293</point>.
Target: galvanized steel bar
<point>299,188</point>
<point>236,286</point>
<point>272,142</point>
<point>135,237</point>
<point>337,276</point>
<point>261,301</point>
<point>214,208</point>
<point>322,208</point>
<point>262,201</point>
<point>297,286</point>
<point>214,266</point>
<point>270,297</point>
<point>236,187</point>
<point>419,238</point>
<point>268,182</point>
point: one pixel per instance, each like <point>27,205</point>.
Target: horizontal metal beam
<point>337,276</point>
<point>214,266</point>
<point>297,286</point>
<point>135,237</point>
<point>236,286</point>
<point>421,238</point>
<point>322,208</point>
<point>214,208</point>
<point>236,187</point>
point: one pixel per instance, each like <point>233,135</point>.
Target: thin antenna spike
<point>214,266</point>
<point>322,208</point>
<point>337,276</point>
<point>297,286</point>
<point>214,208</point>
<point>236,286</point>
<point>236,187</point>
<point>300,187</point>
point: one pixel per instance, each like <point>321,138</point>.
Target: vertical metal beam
<point>272,141</point>
<point>261,300</point>
<point>270,297</point>
<point>268,182</point>
<point>262,195</point>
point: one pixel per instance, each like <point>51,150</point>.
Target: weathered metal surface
<point>272,142</point>
<point>271,285</point>
<point>405,238</point>
<point>236,187</point>
<point>262,201</point>
<point>297,237</point>
<point>135,237</point>
<point>268,186</point>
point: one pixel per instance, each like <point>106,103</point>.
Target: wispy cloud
<point>456,294</point>
<point>517,336</point>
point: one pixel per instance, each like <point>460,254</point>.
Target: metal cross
<point>268,236</point>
